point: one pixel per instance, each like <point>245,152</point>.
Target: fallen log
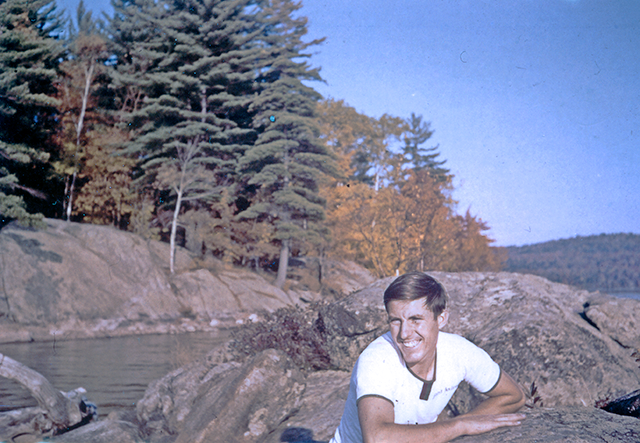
<point>57,412</point>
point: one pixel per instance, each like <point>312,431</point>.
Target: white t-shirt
<point>381,371</point>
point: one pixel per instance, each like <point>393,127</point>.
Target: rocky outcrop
<point>538,331</point>
<point>572,347</point>
<point>79,280</point>
<point>320,411</point>
<point>323,403</point>
<point>227,402</point>
<point>619,318</point>
<point>564,424</point>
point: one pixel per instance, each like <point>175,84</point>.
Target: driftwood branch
<point>56,412</point>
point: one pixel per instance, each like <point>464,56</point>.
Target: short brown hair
<point>416,285</point>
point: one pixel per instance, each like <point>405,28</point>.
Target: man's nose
<point>405,330</point>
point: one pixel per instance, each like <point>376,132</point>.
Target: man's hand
<point>479,424</point>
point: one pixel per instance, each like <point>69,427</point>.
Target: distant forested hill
<point>607,262</point>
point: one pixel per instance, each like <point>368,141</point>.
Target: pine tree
<point>29,52</point>
<point>194,79</point>
<point>416,157</point>
<point>288,160</point>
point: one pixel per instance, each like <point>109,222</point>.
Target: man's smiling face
<point>415,332</point>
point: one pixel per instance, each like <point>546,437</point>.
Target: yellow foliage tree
<point>406,223</point>
<point>106,195</point>
<point>76,89</point>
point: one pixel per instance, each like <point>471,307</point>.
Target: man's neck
<point>423,371</point>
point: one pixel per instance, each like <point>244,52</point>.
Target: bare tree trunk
<point>70,201</point>
<point>88,77</point>
<point>174,228</point>
<point>56,413</point>
<point>283,264</point>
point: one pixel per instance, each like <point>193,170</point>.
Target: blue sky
<point>535,104</point>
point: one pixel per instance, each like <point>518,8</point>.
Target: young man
<point>404,379</point>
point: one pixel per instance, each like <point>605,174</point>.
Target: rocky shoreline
<point>539,331</point>
<point>569,349</point>
<point>75,281</point>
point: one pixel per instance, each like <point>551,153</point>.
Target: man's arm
<point>506,397</point>
<point>377,423</point>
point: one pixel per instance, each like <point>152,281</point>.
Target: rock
<point>619,318</point>
<point>227,292</point>
<point>105,431</point>
<point>81,281</point>
<point>341,278</point>
<point>73,271</point>
<point>532,327</point>
<point>321,409</point>
<point>331,278</point>
<point>353,322</point>
<point>226,402</point>
<point>564,424</point>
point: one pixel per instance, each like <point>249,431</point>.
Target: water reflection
<point>114,371</point>
<point>634,295</point>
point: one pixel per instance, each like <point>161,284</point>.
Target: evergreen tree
<point>195,80</point>
<point>288,159</point>
<point>29,53</point>
<point>415,156</point>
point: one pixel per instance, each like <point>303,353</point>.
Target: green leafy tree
<point>288,160</point>
<point>29,52</point>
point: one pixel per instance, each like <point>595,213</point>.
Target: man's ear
<point>443,318</point>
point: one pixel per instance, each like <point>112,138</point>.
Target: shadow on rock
<point>298,435</point>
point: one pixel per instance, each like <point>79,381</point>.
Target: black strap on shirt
<point>426,390</point>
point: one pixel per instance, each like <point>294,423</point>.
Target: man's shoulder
<point>448,337</point>
<point>383,343</point>
<point>379,348</point>
<point>456,342</point>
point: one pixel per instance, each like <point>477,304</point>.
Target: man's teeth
<point>410,344</point>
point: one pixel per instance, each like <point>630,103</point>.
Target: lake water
<point>114,371</point>
<point>635,295</point>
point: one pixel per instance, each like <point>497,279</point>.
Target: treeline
<point>193,121</point>
<point>606,262</point>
